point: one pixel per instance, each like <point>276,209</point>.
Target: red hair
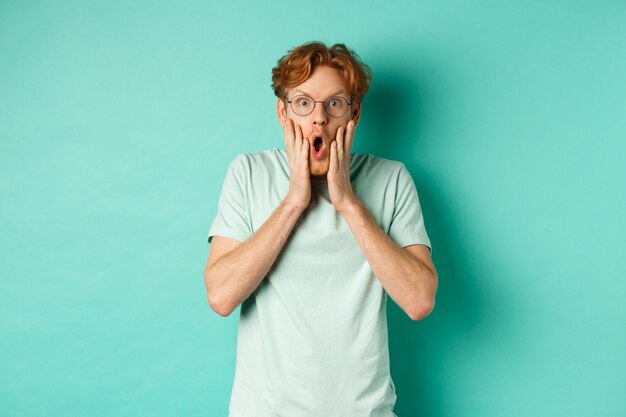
<point>297,66</point>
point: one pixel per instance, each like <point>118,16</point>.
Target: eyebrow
<point>334,94</point>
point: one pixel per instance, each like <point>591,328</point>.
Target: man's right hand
<point>235,269</point>
<point>298,156</point>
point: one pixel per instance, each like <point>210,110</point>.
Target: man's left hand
<point>339,186</point>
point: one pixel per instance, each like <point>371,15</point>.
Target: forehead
<point>324,81</point>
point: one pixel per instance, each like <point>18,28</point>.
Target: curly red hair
<point>297,66</point>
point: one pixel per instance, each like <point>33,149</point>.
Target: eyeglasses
<point>304,105</point>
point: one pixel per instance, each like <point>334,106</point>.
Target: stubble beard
<point>319,169</point>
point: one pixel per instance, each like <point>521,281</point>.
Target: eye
<point>304,101</point>
<point>334,102</point>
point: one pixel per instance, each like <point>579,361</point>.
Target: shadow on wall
<point>391,116</point>
<point>395,125</point>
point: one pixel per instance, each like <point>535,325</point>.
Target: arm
<point>234,270</point>
<point>407,274</point>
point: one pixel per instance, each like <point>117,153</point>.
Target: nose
<point>319,115</point>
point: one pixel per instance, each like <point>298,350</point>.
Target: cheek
<point>297,121</point>
<point>343,125</point>
<point>298,124</point>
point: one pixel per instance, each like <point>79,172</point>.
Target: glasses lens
<point>336,106</point>
<point>302,105</point>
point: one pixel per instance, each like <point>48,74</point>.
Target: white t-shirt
<point>312,337</point>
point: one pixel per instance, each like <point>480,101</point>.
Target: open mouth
<point>318,150</point>
<point>318,143</point>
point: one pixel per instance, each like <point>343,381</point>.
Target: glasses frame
<point>319,101</point>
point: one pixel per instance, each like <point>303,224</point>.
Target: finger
<point>339,141</point>
<point>304,153</point>
<point>289,134</point>
<point>349,137</point>
<point>299,137</point>
<point>289,137</point>
<point>334,167</point>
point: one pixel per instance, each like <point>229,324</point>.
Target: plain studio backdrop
<point>118,121</point>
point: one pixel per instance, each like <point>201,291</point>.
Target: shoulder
<point>260,165</point>
<point>259,159</point>
<point>375,166</point>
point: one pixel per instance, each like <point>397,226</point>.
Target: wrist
<point>293,204</point>
<point>350,208</point>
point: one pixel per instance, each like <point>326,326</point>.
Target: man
<point>310,241</point>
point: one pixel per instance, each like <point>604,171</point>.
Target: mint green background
<point>118,121</point>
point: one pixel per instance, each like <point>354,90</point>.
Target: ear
<point>281,112</point>
<point>356,112</point>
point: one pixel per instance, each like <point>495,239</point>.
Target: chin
<point>318,176</point>
<point>319,169</point>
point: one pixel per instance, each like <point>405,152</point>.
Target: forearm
<point>407,280</point>
<point>234,276</point>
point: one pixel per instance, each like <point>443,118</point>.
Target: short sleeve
<point>407,224</point>
<point>233,213</point>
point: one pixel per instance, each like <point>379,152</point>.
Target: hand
<point>298,156</point>
<point>339,186</point>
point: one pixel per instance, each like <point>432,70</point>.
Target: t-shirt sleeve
<point>407,224</point>
<point>233,212</point>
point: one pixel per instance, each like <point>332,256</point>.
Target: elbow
<point>422,310</point>
<point>215,299</point>
<point>425,304</point>
<point>220,307</point>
